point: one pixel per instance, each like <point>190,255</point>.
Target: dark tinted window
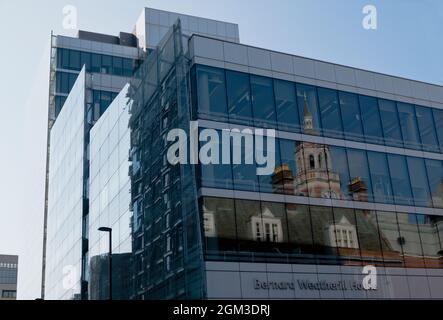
<point>350,111</point>
<point>330,113</point>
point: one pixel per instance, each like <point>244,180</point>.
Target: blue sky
<point>407,43</point>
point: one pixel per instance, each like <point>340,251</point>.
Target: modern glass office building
<point>8,277</point>
<point>358,177</point>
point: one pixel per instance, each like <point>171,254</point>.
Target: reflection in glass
<point>360,186</point>
<point>390,239</point>
<point>368,237</point>
<point>428,227</point>
<point>330,113</point>
<point>263,102</point>
<point>345,235</point>
<point>338,173</point>
<point>410,240</point>
<point>308,109</point>
<point>239,97</point>
<point>286,175</point>
<point>219,224</point>
<point>434,169</point>
<point>438,119</point>
<point>300,232</point>
<point>391,125</point>
<point>400,179</point>
<point>211,93</point>
<point>408,123</point>
<point>419,182</point>
<point>325,246</point>
<point>381,181</point>
<point>350,111</point>
<point>371,120</point>
<point>426,127</point>
<point>286,105</point>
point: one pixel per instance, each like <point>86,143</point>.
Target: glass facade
<point>258,231</point>
<point>240,98</point>
<point>65,201</point>
<point>109,202</point>
<point>70,59</point>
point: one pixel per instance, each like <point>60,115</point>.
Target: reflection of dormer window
<point>267,227</point>
<point>343,234</point>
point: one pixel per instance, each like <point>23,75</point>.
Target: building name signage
<point>310,285</point>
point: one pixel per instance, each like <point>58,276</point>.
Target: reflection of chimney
<point>358,190</point>
<point>283,180</point>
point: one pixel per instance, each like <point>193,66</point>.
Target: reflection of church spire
<point>307,116</point>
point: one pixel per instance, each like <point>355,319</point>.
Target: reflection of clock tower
<point>313,160</point>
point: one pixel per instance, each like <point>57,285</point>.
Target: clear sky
<point>408,43</point>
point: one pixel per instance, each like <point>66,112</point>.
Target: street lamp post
<point>109,230</point>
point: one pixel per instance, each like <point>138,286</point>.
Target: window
<point>117,66</point>
<point>291,167</point>
<point>311,162</point>
<point>308,109</point>
<point>428,136</point>
<point>434,169</point>
<point>438,119</point>
<point>211,93</point>
<point>219,225</point>
<point>244,175</point>
<point>391,126</point>
<point>390,239</point>
<point>370,115</point>
<point>381,181</point>
<point>325,247</point>
<point>330,113</point>
<point>9,294</point>
<point>338,172</point>
<point>274,225</point>
<point>249,225</point>
<point>217,175</point>
<point>360,186</point>
<point>428,227</point>
<point>410,240</point>
<point>65,59</point>
<point>368,237</point>
<point>239,97</point>
<point>85,60</point>
<point>269,184</point>
<point>106,66</point>
<point>74,60</point>
<point>344,231</point>
<point>400,179</point>
<point>350,111</point>
<point>419,182</point>
<point>127,67</point>
<point>262,91</point>
<point>408,122</point>
<point>96,63</point>
<point>286,105</point>
<point>300,233</point>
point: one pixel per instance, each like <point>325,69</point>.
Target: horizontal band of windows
<point>210,124</point>
<point>287,199</point>
<point>261,231</point>
<point>309,169</point>
<point>242,98</point>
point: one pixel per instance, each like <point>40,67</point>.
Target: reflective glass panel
<point>308,109</point>
<point>368,237</point>
<point>434,169</point>
<point>360,186</point>
<point>286,105</point>
<point>390,239</point>
<point>330,113</point>
<point>410,240</point>
<point>325,246</point>
<point>211,93</point>
<point>419,182</point>
<point>371,119</point>
<point>239,97</point>
<point>438,119</point>
<point>338,172</point>
<point>381,181</point>
<point>300,233</point>
<point>428,227</point>
<point>426,127</point>
<point>409,129</point>
<point>400,179</point>
<point>263,102</point>
<point>346,238</point>
<point>350,111</point>
<point>390,122</point>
